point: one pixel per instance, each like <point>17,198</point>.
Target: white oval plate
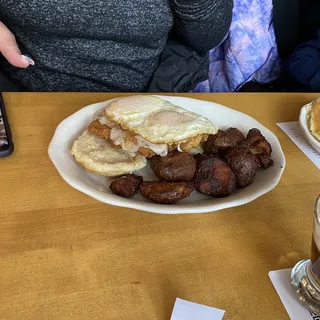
<point>98,187</point>
<point>304,127</point>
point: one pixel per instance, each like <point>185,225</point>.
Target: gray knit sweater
<point>105,45</point>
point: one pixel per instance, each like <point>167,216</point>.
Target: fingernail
<point>28,59</point>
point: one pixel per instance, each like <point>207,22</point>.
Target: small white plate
<point>304,127</point>
<point>98,187</point>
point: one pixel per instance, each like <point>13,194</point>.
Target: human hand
<point>10,50</point>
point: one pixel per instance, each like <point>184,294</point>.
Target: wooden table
<point>65,256</point>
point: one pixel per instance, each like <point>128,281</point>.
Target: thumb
<point>9,48</point>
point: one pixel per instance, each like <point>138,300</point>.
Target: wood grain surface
<point>65,256</point>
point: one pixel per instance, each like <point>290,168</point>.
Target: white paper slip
<point>185,310</point>
<point>294,132</point>
<point>282,283</point>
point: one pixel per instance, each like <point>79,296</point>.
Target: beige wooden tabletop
<point>65,256</point>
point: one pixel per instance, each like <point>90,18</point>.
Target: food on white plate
<point>217,175</point>
<point>164,192</point>
<point>176,166</point>
<point>244,166</point>
<point>223,140</point>
<point>99,156</point>
<point>151,126</point>
<point>215,178</point>
<point>313,118</point>
<point>187,152</point>
<point>126,186</point>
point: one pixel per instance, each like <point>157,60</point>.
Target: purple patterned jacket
<point>249,51</point>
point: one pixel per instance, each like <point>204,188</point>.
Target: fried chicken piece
<point>146,152</point>
<point>193,142</point>
<point>127,185</point>
<point>166,192</point>
<point>103,131</point>
<point>99,130</point>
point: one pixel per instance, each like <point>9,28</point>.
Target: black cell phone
<point>6,143</point>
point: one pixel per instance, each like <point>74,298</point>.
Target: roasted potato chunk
<point>175,167</point>
<point>223,140</point>
<point>200,158</point>
<point>242,149</point>
<point>126,186</point>
<point>264,160</point>
<point>244,167</point>
<point>166,192</point>
<point>215,178</point>
<point>255,144</point>
<point>258,143</point>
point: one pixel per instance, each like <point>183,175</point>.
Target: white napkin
<point>294,132</point>
<point>282,283</point>
<point>185,310</point>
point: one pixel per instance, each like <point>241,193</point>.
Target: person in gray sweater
<point>107,45</point>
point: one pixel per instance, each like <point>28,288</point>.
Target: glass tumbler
<point>305,276</point>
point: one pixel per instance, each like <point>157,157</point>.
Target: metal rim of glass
<point>317,204</point>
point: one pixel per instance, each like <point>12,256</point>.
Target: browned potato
<point>166,192</point>
<point>175,167</point>
<point>126,186</point>
<point>264,160</point>
<point>244,167</point>
<point>241,149</point>
<point>200,158</point>
<point>259,144</point>
<point>215,178</point>
<point>223,140</point>
<point>255,144</point>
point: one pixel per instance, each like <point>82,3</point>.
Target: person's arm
<point>201,24</point>
<point>304,64</point>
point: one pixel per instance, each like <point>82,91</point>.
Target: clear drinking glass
<point>305,276</point>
